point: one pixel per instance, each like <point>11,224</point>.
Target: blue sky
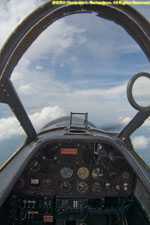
<point>81,63</point>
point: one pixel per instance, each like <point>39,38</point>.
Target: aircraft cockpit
<point>73,171</point>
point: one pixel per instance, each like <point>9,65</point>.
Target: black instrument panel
<point>75,169</point>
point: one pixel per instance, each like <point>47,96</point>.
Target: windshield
<point>79,68</point>
<point>81,63</point>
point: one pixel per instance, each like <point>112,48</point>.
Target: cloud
<point>111,93</point>
<point>13,12</point>
<point>147,123</point>
<point>26,89</point>
<point>46,115</point>
<point>125,121</point>
<point>141,91</point>
<point>141,146</point>
<point>55,40</point>
<point>141,142</point>
<point>9,127</point>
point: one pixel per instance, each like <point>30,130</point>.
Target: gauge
<point>97,173</point>
<point>51,152</point>
<point>66,187</point>
<point>83,172</point>
<point>112,176</point>
<point>35,167</point>
<point>82,187</point>
<point>125,175</point>
<point>66,172</point>
<point>96,187</point>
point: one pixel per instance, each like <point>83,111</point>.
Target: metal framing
<point>130,92</point>
<point>25,34</point>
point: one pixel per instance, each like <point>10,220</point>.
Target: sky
<point>81,63</point>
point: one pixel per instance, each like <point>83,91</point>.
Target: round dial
<point>51,152</point>
<point>66,187</point>
<point>96,187</point>
<point>66,172</point>
<point>113,176</point>
<point>83,172</point>
<point>82,187</point>
<point>97,173</point>
<point>35,166</point>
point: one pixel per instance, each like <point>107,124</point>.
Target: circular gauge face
<point>96,187</point>
<point>112,176</point>
<point>51,152</point>
<point>66,187</point>
<point>97,173</point>
<point>82,187</point>
<point>125,175</point>
<point>83,172</point>
<point>66,172</point>
<point>35,167</point>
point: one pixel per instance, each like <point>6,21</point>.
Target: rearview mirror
<point>138,91</point>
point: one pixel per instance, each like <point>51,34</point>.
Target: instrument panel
<point>77,169</point>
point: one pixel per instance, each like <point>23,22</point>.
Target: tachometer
<point>83,172</point>
<point>66,172</point>
<point>82,187</point>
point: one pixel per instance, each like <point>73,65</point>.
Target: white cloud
<point>141,142</point>
<point>55,40</point>
<point>147,123</point>
<point>141,91</point>
<point>9,127</point>
<point>38,67</point>
<point>26,89</point>
<point>12,12</point>
<point>111,93</point>
<point>125,121</point>
<point>46,115</point>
